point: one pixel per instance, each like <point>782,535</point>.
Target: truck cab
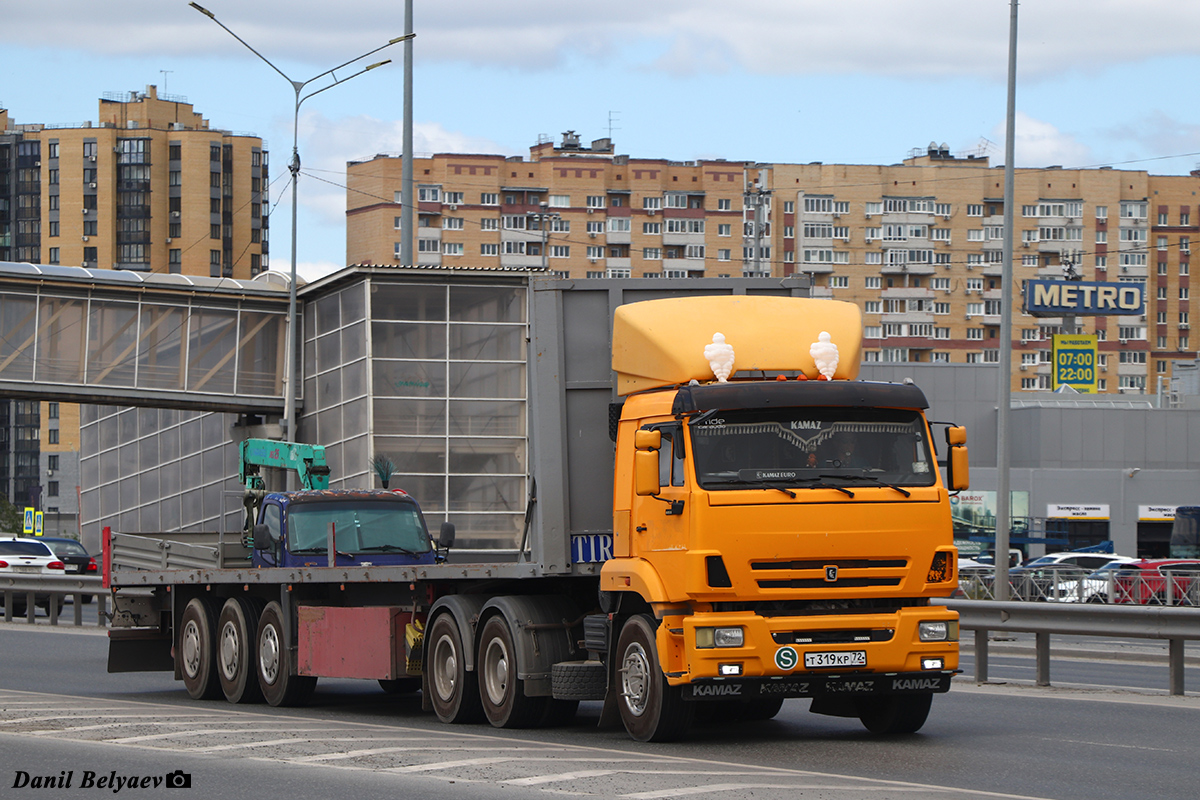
<point>787,530</point>
<point>358,528</point>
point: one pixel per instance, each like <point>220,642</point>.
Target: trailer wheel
<point>894,714</point>
<point>196,651</point>
<point>502,693</point>
<point>279,685</point>
<point>652,710</point>
<point>454,692</point>
<point>236,628</point>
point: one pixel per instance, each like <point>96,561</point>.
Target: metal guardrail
<point>56,587</point>
<point>1168,587</point>
<point>1176,625</point>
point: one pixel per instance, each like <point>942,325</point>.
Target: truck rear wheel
<point>501,692</point>
<point>279,685</point>
<point>894,714</point>
<point>652,710</point>
<point>236,628</point>
<point>453,692</point>
<point>196,650</point>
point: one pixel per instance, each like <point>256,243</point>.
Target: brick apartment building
<point>918,245</point>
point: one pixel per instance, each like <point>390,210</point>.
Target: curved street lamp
<point>289,391</point>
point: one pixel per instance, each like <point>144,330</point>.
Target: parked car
<point>1159,581</point>
<point>75,556</point>
<point>1085,561</point>
<point>19,556</point>
<point>1093,587</point>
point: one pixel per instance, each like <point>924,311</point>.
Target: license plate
<point>30,570</point>
<point>842,658</point>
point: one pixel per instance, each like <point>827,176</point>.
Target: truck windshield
<point>812,447</point>
<point>362,526</point>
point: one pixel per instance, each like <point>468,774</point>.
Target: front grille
<point>819,583</point>
<point>840,563</point>
<point>833,637</point>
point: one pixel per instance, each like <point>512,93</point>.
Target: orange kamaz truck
<point>750,524</point>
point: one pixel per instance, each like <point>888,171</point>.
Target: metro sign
<point>1045,298</point>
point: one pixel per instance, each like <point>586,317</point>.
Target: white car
<point>1085,561</point>
<point>1093,587</point>
<point>28,557</point>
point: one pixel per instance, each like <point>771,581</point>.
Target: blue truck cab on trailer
<point>369,528</point>
<point>318,527</point>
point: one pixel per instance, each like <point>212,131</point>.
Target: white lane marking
<point>1110,744</point>
<point>298,740</point>
<point>405,749</point>
<point>566,776</point>
<point>150,737</point>
<point>563,776</point>
<point>468,762</point>
<point>144,723</point>
<point>731,787</point>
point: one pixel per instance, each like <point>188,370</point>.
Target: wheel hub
<point>445,668</point>
<point>268,654</point>
<point>229,651</point>
<point>495,671</point>
<point>635,679</point>
<point>190,646</point>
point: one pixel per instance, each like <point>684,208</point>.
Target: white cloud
<point>1040,144</point>
<point>322,180</point>
<point>945,38</point>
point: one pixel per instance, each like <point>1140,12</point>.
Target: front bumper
<point>813,685</point>
<point>774,647</point>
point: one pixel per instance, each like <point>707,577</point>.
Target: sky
<point>1100,82</point>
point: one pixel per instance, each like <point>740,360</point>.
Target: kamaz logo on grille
<point>831,573</point>
<point>716,690</point>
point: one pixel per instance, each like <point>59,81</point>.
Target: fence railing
<point>1167,587</point>
<point>1175,625</point>
<point>50,593</point>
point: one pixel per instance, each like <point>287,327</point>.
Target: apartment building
<point>149,186</point>
<point>918,245</point>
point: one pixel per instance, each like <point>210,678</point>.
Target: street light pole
<point>290,349</point>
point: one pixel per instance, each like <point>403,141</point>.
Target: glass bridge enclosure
<point>123,337</point>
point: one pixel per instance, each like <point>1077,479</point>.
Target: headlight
<point>719,637</point>
<point>938,631</point>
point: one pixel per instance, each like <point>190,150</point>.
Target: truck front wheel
<point>196,650</point>
<point>652,710</point>
<point>235,650</point>
<point>279,685</point>
<point>895,714</point>
<point>454,692</point>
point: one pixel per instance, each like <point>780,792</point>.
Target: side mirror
<point>262,537</point>
<point>956,435</point>
<point>647,440</point>
<point>446,536</point>
<point>645,472</point>
<point>958,473</point>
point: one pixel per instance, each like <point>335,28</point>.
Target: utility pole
<point>756,199</point>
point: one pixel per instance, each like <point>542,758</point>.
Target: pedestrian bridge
<point>142,339</point>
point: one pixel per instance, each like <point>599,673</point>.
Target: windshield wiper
<point>388,548</point>
<point>307,551</point>
<point>872,479</point>
<point>809,483</point>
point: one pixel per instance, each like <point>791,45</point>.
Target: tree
<point>12,521</point>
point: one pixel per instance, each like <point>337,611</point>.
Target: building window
<point>839,282</point>
<point>452,248</point>
<point>52,488</point>
<point>52,461</point>
<point>560,251</point>
<point>724,204</point>
<point>492,249</point>
<point>652,228</point>
<point>52,436</point>
<point>53,255</point>
<point>51,410</point>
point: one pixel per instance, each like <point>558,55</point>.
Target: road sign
<point>28,520</point>
<point>37,523</point>
<point>1074,362</point>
